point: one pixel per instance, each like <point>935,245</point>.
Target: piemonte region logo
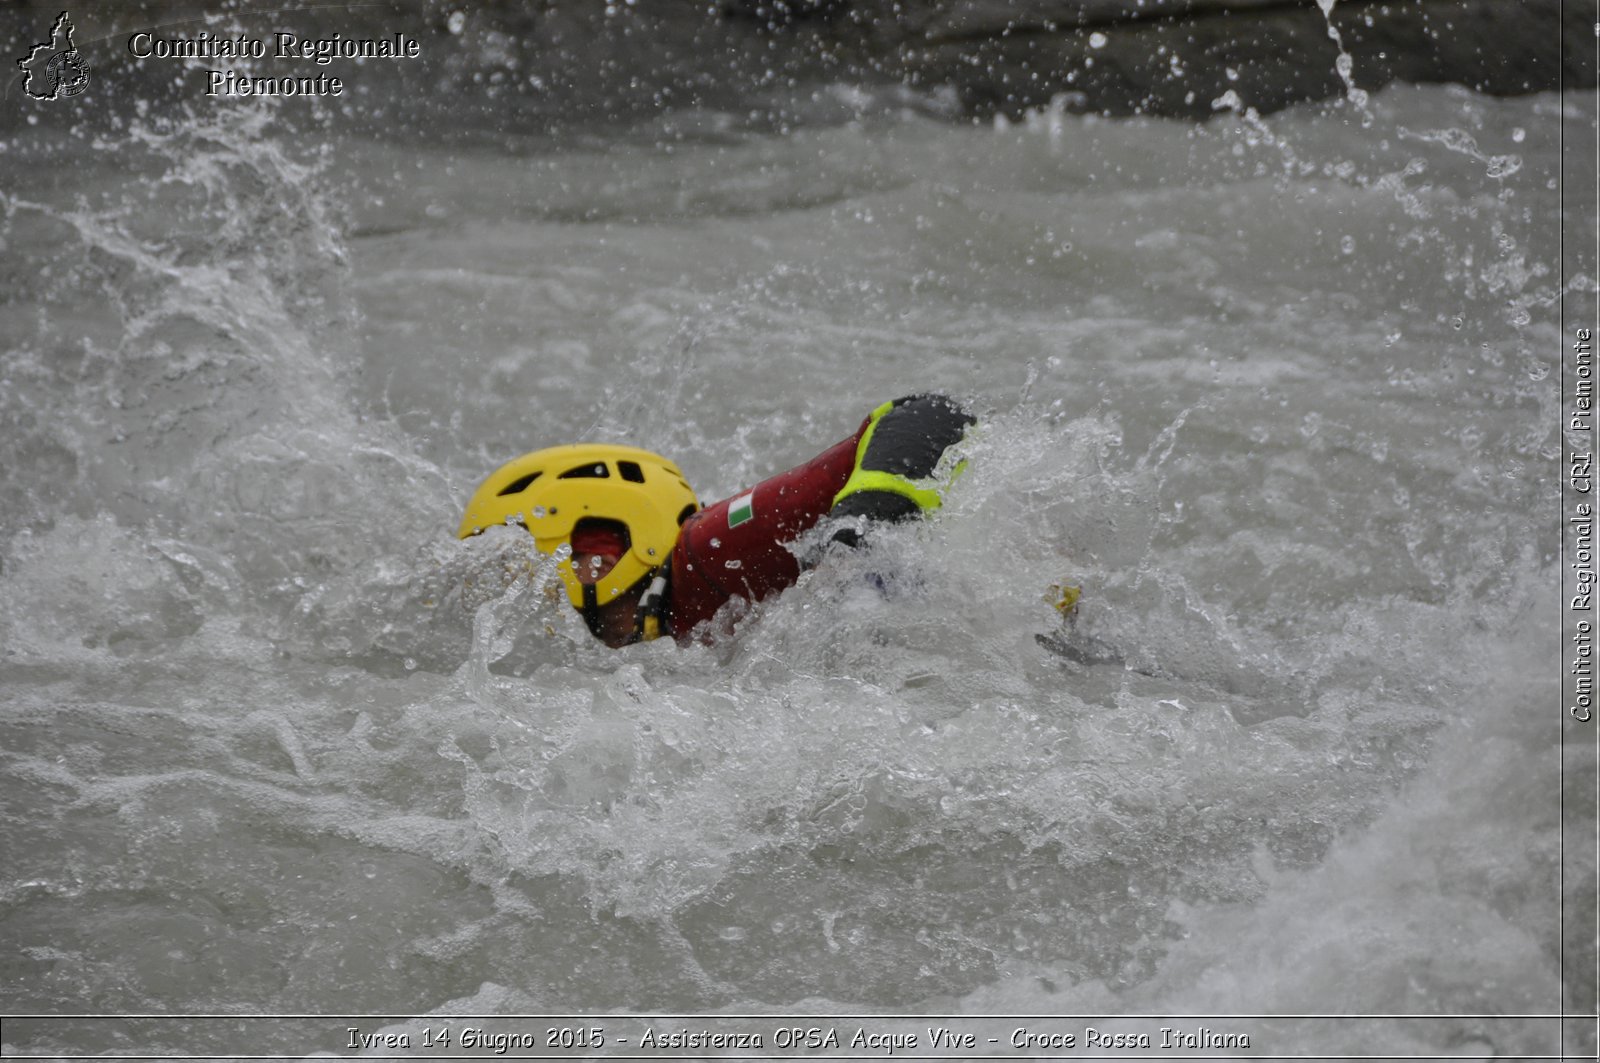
<point>55,68</point>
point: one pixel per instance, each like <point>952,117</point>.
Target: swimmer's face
<point>617,618</point>
<point>592,568</point>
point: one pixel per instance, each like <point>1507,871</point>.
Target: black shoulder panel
<point>910,438</point>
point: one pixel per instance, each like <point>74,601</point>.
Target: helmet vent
<point>593,471</point>
<point>630,471</point>
<point>519,485</point>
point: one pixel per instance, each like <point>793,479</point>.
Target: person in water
<point>641,558</point>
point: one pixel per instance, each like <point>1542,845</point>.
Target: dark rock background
<point>1174,57</point>
<point>526,67</point>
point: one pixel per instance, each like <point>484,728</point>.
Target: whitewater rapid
<point>1279,393</point>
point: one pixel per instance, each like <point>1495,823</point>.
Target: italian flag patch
<point>741,509</point>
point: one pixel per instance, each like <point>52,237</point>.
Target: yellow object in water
<point>1064,597</point>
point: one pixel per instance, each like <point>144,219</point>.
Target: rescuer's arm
<point>898,451</point>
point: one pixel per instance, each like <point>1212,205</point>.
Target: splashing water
<point>275,741</point>
<point>1344,65</point>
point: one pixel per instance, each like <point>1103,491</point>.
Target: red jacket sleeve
<point>737,547</point>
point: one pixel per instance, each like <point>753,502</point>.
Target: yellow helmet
<point>549,491</point>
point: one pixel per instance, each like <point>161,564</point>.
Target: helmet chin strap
<point>591,609</point>
<point>649,616</point>
<point>652,610</point>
